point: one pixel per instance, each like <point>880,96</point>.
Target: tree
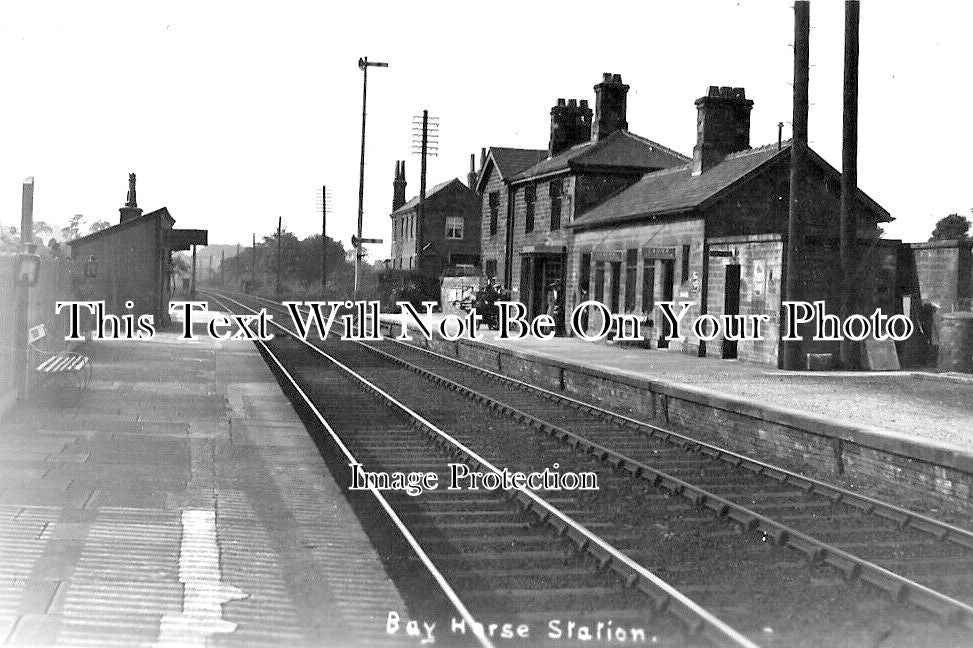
<point>42,230</point>
<point>97,226</point>
<point>951,227</point>
<point>73,229</point>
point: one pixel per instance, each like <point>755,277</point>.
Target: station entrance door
<point>542,285</point>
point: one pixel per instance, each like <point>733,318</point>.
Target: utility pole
<point>253,264</point>
<point>23,291</point>
<point>363,65</point>
<point>222,266</point>
<point>791,349</point>
<point>192,285</point>
<point>847,356</point>
<point>421,127</point>
<point>279,223</point>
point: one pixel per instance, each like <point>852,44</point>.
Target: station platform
<point>180,503</point>
<point>925,406</point>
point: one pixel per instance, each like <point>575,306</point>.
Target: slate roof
<point>509,162</point>
<point>621,149</point>
<point>414,202</point>
<point>162,211</point>
<point>676,190</point>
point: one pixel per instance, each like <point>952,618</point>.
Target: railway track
<point>518,565</point>
<point>765,549</point>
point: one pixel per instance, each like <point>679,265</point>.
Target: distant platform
<point>180,503</point>
<point>934,407</point>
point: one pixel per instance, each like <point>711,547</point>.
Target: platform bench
<point>62,369</point>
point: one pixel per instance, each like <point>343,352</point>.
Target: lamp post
<point>363,65</point>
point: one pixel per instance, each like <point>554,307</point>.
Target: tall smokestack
<point>790,351</point>
<point>471,176</point>
<point>398,185</point>
<point>848,357</point>
<point>131,209</point>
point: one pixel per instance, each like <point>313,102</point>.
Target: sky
<point>233,114</point>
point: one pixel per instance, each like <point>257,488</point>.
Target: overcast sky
<point>235,113</point>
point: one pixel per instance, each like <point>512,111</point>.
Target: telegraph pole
<point>279,224</point>
<point>427,144</point>
<point>790,350</point>
<point>222,266</point>
<point>363,65</point>
<point>847,357</point>
<point>253,264</point>
<point>23,291</point>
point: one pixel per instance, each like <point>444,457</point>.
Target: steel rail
<point>870,505</point>
<point>816,551</point>
<point>901,516</point>
<point>697,619</point>
<point>437,575</point>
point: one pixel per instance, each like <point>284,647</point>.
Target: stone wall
<point>813,445</point>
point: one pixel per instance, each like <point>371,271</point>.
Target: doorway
<point>668,271</point>
<point>731,306</point>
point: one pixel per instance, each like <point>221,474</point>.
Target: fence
<point>54,283</point>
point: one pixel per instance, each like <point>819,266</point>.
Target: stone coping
<point>924,450</point>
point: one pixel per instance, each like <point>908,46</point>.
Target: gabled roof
<point>161,212</point>
<point>509,162</point>
<point>620,150</point>
<point>676,190</point>
<point>414,202</point>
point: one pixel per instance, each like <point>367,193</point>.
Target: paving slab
<point>182,477</point>
<point>937,408</point>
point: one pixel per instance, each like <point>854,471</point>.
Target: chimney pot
<point>570,125</point>
<point>398,185</point>
<point>610,106</point>
<point>722,126</point>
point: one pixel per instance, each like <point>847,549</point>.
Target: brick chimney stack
<point>131,209</point>
<point>471,176</point>
<point>722,126</point>
<point>611,98</point>
<point>398,185</point>
<point>570,125</point>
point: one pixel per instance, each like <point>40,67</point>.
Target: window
<point>631,270</point>
<point>530,194</point>
<point>685,264</point>
<point>600,282</point>
<point>454,227</point>
<point>648,285</point>
<point>556,190</point>
<point>490,268</point>
<point>584,277</point>
<point>616,277</point>
<point>494,211</point>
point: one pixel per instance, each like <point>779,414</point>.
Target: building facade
<point>712,233</point>
<point>132,259</point>
<point>591,156</point>
<point>443,234</point>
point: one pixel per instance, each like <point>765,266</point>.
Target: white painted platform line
<point>204,592</point>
